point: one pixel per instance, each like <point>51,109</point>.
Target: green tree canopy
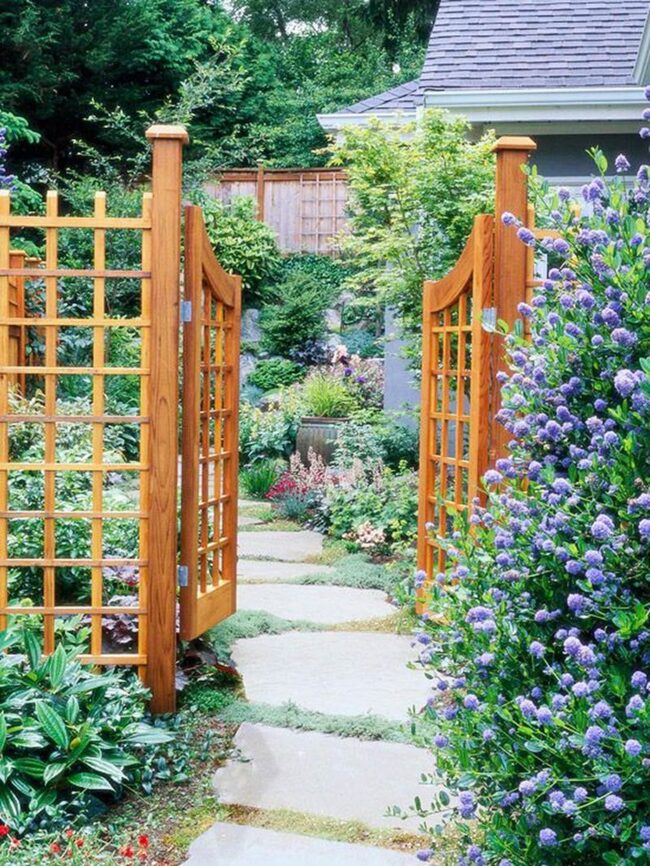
<point>248,79</point>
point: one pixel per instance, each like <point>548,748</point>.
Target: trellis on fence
<point>462,353</point>
<point>128,505</point>
<point>306,208</point>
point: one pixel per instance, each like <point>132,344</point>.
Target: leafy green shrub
<point>269,432</point>
<point>329,273</point>
<point>275,372</point>
<point>400,445</point>
<point>258,478</point>
<point>358,442</point>
<point>327,397</point>
<point>296,317</point>
<point>362,343</point>
<point>70,740</point>
<point>375,512</point>
<point>242,243</point>
<point>414,193</point>
<point>541,645</point>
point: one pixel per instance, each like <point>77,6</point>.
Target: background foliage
<point>249,79</point>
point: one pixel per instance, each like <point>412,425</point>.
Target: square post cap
<point>167,131</point>
<point>514,142</point>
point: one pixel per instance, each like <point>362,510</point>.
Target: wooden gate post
<point>512,154</point>
<point>167,142</point>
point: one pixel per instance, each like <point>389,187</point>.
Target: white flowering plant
<point>539,717</point>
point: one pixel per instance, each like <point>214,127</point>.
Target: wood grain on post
<point>510,259</point>
<point>167,142</point>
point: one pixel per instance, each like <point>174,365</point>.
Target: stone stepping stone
<point>320,774</point>
<point>251,503</point>
<point>243,520</point>
<point>342,673</point>
<point>321,604</point>
<point>234,845</point>
<point>287,546</point>
<point>271,571</point>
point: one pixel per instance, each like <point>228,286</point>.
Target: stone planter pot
<point>319,434</point>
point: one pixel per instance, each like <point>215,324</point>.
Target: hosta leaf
<point>6,769</point>
<point>23,787</point>
<point>32,648</point>
<point>52,771</point>
<point>56,666</point>
<point>145,735</point>
<point>8,639</point>
<point>28,740</point>
<point>52,724</point>
<point>9,804</point>
<point>72,709</point>
<point>32,766</point>
<point>90,782</point>
<point>101,765</point>
<point>91,684</point>
<point>41,800</point>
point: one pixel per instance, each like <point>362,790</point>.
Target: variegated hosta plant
<point>70,739</point>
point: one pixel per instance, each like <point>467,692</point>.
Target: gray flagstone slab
<point>321,604</point>
<point>320,774</point>
<point>343,673</point>
<point>287,546</point>
<point>267,571</point>
<point>234,845</point>
<point>243,520</point>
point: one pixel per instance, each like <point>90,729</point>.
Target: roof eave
<point>546,104</point>
<point>338,121</point>
<point>642,67</point>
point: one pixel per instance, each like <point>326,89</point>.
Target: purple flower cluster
<point>544,645</point>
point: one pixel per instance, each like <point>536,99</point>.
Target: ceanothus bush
<point>539,717</point>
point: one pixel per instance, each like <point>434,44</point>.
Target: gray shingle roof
<point>527,43</point>
<point>401,98</point>
<point>496,44</point>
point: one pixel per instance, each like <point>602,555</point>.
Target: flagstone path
<point>346,672</point>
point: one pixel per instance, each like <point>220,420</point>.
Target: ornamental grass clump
<point>540,717</point>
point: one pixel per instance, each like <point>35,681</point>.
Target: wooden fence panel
<point>123,505</point>
<point>306,208</point>
<point>53,516</point>
<point>210,434</point>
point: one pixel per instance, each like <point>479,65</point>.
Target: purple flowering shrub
<point>540,716</point>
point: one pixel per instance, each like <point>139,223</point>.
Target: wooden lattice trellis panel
<point>96,472</point>
<point>455,392</point>
<point>210,437</point>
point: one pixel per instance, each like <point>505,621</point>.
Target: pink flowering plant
<point>539,660</point>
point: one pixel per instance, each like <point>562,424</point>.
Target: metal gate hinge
<point>489,319</point>
<point>183,575</point>
<point>186,311</point>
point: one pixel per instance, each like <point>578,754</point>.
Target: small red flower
<point>4,830</point>
<point>79,843</point>
<point>127,851</point>
<point>143,841</point>
<point>55,848</point>
<point>69,833</point>
<point>15,843</point>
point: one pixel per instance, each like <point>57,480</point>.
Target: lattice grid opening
<point>210,439</point>
<point>74,514</point>
<point>455,382</point>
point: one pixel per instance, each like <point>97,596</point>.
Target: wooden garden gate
<point>123,511</point>
<point>459,434</point>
